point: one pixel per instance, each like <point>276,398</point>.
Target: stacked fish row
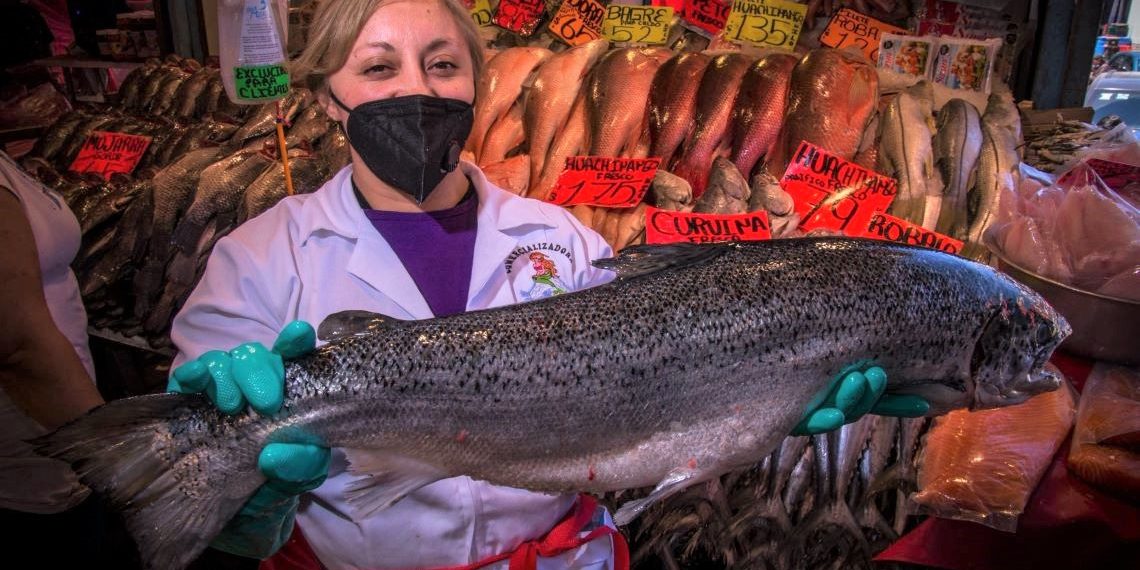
<point>826,501</point>
<point>209,166</point>
<point>725,126</point>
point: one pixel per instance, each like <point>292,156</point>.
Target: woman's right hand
<point>252,374</point>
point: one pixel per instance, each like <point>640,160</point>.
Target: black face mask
<point>410,142</point>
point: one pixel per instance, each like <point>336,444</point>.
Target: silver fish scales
<point>695,361</point>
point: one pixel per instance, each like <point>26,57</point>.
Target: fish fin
<point>676,481</point>
<point>386,478</point>
<point>173,506</point>
<point>351,323</point>
<point>639,260</point>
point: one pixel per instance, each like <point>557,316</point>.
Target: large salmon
<point>696,360</point>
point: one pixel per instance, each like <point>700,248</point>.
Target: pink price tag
<point>106,153</point>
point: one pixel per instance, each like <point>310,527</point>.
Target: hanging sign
<point>106,153</point>
<point>520,16</point>
<point>647,25</point>
<point>603,181</point>
<point>766,23</point>
<point>889,228</point>
<point>578,21</point>
<point>667,226</point>
<point>836,194</point>
<point>708,16</point>
<point>850,28</point>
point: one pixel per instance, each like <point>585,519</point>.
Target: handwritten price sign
<point>601,181</point>
<point>889,228</point>
<point>106,153</point>
<point>480,11</point>
<point>578,21</point>
<point>850,28</point>
<point>665,226</point>
<point>708,16</point>
<point>520,16</point>
<point>832,193</point>
<point>766,23</point>
<point>647,25</point>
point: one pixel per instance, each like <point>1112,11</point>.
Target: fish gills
<point>717,392</point>
<point>672,103</point>
<point>503,137</point>
<point>832,96</point>
<point>716,97</point>
<point>499,87</point>
<point>760,108</point>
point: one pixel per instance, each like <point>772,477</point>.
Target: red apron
<point>564,537</point>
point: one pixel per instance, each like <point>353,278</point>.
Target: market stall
<point>699,121</point>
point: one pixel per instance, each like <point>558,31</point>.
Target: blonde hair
<point>337,23</point>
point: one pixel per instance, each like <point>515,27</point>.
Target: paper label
<point>889,228</point>
<point>261,81</point>
<point>106,153</point>
<point>647,25</point>
<point>666,226</point>
<point>912,55</point>
<point>520,16</point>
<point>965,64</point>
<point>708,16</point>
<point>766,23</point>
<point>480,12</point>
<point>836,194</point>
<point>850,28</point>
<point>603,181</point>
<point>578,21</point>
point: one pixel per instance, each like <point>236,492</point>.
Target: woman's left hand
<point>851,396</point>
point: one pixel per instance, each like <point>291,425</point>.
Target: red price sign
<point>678,6</point>
<point>602,181</point>
<point>850,28</point>
<point>106,153</point>
<point>889,228</point>
<point>578,21</point>
<point>665,226</point>
<point>520,16</point>
<point>833,193</point>
<point>707,15</point>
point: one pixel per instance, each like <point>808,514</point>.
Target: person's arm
<point>39,369</point>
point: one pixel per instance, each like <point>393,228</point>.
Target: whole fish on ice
<point>724,380</point>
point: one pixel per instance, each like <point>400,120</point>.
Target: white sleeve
<point>591,247</point>
<point>242,297</point>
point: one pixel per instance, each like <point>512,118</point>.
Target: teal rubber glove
<point>852,395</point>
<point>251,374</point>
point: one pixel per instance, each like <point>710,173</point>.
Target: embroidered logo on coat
<point>538,270</point>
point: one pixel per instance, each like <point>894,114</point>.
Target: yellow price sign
<point>578,21</point>
<point>647,25</point>
<point>480,12</point>
<point>766,23</point>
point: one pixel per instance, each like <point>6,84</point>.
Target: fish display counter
<point>681,121</point>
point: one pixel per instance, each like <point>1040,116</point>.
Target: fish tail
<point>175,493</point>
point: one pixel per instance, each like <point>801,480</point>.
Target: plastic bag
<point>1106,444</point>
<point>1078,231</point>
<point>252,35</point>
<point>982,466</point>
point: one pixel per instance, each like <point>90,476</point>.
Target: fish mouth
<point>1010,363</point>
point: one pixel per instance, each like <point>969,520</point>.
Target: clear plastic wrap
<point>982,466</point>
<point>1077,231</point>
<point>1106,443</point>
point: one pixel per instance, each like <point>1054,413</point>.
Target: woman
<point>409,232</point>
<point>396,234</point>
<point>45,377</point>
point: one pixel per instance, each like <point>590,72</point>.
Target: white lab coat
<point>313,255</point>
